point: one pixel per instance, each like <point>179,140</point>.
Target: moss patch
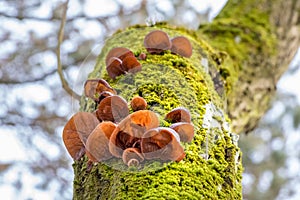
<point>166,81</point>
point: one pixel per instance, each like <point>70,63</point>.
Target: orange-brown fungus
<point>181,46</point>
<point>157,41</point>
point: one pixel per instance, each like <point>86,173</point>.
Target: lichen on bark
<point>211,168</point>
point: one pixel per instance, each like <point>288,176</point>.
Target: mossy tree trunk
<point>228,82</point>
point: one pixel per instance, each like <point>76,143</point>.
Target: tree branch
<point>11,82</point>
<point>65,84</point>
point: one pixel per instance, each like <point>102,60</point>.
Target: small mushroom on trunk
<point>112,108</point>
<point>181,46</point>
<point>117,52</point>
<point>95,87</point>
<point>103,95</point>
<point>131,64</point>
<point>185,131</point>
<point>138,103</point>
<point>162,143</point>
<point>120,60</point>
<point>179,115</point>
<point>130,131</point>
<point>97,142</point>
<point>76,132</point>
<point>157,41</point>
<point>132,157</point>
<point>114,68</point>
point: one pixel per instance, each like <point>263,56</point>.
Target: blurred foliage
<point>271,153</point>
<point>34,107</point>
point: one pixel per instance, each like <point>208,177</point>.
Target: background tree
<point>27,64</point>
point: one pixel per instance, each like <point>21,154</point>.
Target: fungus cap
<point>179,115</point>
<point>157,41</point>
<point>185,131</point>
<point>181,46</point>
<point>76,132</point>
<point>97,142</point>
<point>132,156</point>
<point>162,143</point>
<point>130,131</point>
<point>112,108</point>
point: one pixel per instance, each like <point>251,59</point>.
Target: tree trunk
<point>237,60</point>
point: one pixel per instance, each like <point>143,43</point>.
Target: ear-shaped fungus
<point>185,131</point>
<point>162,143</point>
<point>94,87</point>
<point>76,132</point>
<point>157,41</point>
<point>97,142</point>
<point>114,68</point>
<point>181,46</point>
<point>132,156</point>
<point>130,131</point>
<point>112,108</point>
<point>120,60</point>
<point>131,64</point>
<point>179,115</point>
<point>138,103</point>
<point>117,52</point>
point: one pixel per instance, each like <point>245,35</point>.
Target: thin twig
<point>65,84</point>
<point>11,82</point>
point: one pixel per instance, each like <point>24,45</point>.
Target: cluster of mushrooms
<point>121,60</point>
<point>112,131</point>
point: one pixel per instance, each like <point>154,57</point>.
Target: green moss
<point>166,81</point>
<point>241,37</point>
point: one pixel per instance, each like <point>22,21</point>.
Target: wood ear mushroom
<point>138,103</point>
<point>97,142</point>
<point>94,88</point>
<point>162,143</point>
<point>179,115</point>
<point>76,132</point>
<point>185,131</point>
<point>130,131</point>
<point>181,46</point>
<point>120,61</point>
<point>157,41</point>
<point>112,108</point>
<point>132,157</point>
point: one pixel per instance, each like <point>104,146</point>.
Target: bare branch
<point>11,82</point>
<point>65,84</point>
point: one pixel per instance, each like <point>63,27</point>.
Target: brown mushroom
<point>118,52</point>
<point>181,46</point>
<point>138,103</point>
<point>157,41</point>
<point>162,143</point>
<point>112,108</point>
<point>179,115</point>
<point>92,87</point>
<point>114,69</point>
<point>103,95</point>
<point>142,56</point>
<point>76,132</point>
<point>132,157</point>
<point>185,131</point>
<point>130,131</point>
<point>104,86</point>
<point>131,64</point>
<point>97,142</point>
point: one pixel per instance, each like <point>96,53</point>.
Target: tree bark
<point>237,60</point>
